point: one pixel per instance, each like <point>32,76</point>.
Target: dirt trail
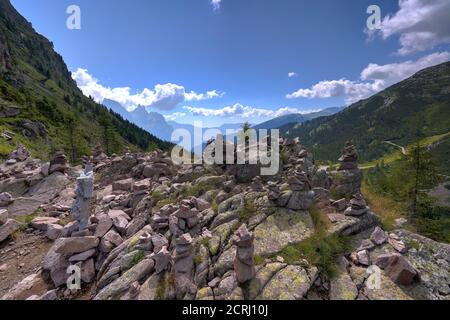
<point>21,257</point>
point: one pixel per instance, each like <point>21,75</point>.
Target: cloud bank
<point>239,110</point>
<point>373,79</point>
<point>420,24</point>
<point>162,96</point>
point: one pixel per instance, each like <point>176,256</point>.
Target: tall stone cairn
<point>349,157</point>
<point>84,193</point>
<point>244,265</point>
<point>348,178</point>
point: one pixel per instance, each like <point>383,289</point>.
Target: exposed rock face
<point>58,163</point>
<point>244,261</point>
<point>131,248</point>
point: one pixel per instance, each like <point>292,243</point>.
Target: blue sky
<point>229,61</point>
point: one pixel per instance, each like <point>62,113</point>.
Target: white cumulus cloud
<point>162,96</point>
<point>292,74</point>
<point>373,79</point>
<point>174,116</point>
<point>216,4</point>
<point>239,110</point>
<point>420,24</point>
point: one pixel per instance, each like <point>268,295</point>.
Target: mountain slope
<point>40,104</point>
<point>415,108</point>
<point>295,118</point>
<point>152,122</point>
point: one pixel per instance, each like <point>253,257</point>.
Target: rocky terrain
<point>161,231</point>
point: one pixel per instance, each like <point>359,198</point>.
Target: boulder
<point>379,236</point>
<point>290,283</point>
<point>399,270</point>
<point>76,244</point>
<point>41,223</point>
<point>8,228</point>
<point>6,199</point>
<point>3,216</point>
<point>123,185</point>
<point>54,231</point>
<point>281,229</point>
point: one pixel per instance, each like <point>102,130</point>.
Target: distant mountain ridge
<point>409,110</point>
<point>295,118</point>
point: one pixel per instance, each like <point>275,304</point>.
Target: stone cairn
<point>186,219</point>
<point>273,192</point>
<point>257,184</point>
<point>349,157</point>
<point>300,196</point>
<point>18,155</point>
<point>358,206</point>
<point>160,220</point>
<point>183,265</point>
<point>299,181</point>
<point>349,177</point>
<point>244,265</point>
<point>58,163</point>
<point>157,166</point>
<point>98,155</point>
<point>84,193</point>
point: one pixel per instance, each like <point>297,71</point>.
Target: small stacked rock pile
<point>98,156</point>
<point>158,165</point>
<point>160,220</point>
<point>183,266</point>
<point>299,181</point>
<point>349,157</point>
<point>19,155</point>
<point>273,192</point>
<point>186,219</point>
<point>348,179</point>
<point>58,163</point>
<point>244,265</point>
<point>257,184</point>
<point>358,206</point>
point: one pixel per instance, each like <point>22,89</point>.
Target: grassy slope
<point>39,83</point>
<point>418,107</point>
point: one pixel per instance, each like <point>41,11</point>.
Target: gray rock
<point>3,216</point>
<point>399,270</point>
<point>77,244</point>
<point>82,256</point>
<point>41,223</point>
<point>104,224</point>
<point>54,231</point>
<point>118,287</point>
<point>8,228</point>
<point>379,236</point>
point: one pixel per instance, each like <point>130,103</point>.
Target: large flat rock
<point>281,229</point>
